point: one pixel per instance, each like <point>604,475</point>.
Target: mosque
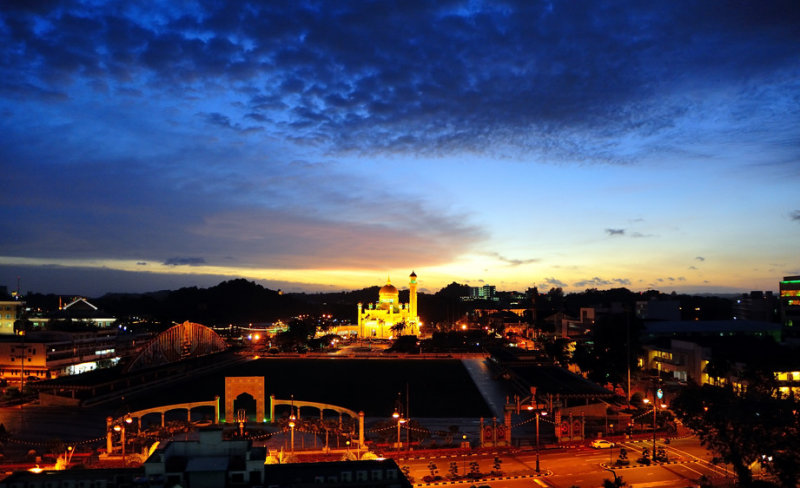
<point>381,319</point>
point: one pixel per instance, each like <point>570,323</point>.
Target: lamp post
<point>291,429</point>
<point>400,420</point>
<point>121,429</point>
<point>538,413</point>
<point>659,395</point>
<point>292,424</point>
<point>464,446</point>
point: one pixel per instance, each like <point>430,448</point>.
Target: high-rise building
<point>756,305</point>
<point>485,292</point>
<point>790,305</point>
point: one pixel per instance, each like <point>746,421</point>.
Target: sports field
<point>436,388</point>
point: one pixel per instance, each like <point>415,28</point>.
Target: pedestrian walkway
<point>491,390</point>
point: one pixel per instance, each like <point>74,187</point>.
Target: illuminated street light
<point>121,429</point>
<point>292,424</point>
<point>400,420</point>
<point>659,395</point>
<point>542,413</point>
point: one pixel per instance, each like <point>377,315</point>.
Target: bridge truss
<point>182,341</point>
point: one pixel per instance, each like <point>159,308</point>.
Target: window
<point>346,476</point>
<point>377,475</point>
<point>361,476</point>
<point>319,480</point>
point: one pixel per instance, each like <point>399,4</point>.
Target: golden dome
<point>388,289</point>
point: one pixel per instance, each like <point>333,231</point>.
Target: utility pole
<point>628,353</point>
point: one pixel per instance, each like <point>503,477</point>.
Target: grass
<point>437,388</point>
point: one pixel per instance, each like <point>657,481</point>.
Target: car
<point>602,444</point>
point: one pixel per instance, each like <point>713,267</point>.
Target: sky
<point>324,146</point>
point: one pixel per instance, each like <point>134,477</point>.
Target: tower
<point>360,330</point>
<point>412,294</point>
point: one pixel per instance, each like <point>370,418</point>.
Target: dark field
<point>437,388</point>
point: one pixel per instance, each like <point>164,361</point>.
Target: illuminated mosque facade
<point>378,320</point>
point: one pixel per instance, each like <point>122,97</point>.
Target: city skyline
<point>319,147</point>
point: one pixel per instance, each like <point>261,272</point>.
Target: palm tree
<point>617,483</point>
<point>398,328</point>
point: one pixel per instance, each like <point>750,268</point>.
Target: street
<point>580,466</point>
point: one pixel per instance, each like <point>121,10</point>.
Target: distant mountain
<point>240,302</point>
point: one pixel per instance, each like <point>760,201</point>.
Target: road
<point>582,467</point>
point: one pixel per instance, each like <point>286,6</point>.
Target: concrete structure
<point>711,328</point>
<point>10,312</point>
<point>377,320</point>
<point>382,473</point>
<point>74,478</point>
<point>250,385</point>
<point>485,292</point>
<point>50,354</point>
<point>654,309</point>
<point>207,461</point>
<point>684,360</point>
<point>756,305</point>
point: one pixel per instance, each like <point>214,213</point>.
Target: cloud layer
<point>300,135</point>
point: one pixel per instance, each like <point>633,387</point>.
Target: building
<point>79,311</point>
<point>790,305</point>
<point>75,478</point>
<point>206,461</point>
<point>382,473</point>
<point>655,309</point>
<point>690,329</point>
<point>380,320</point>
<point>485,292</point>
<point>42,355</point>
<point>756,305</point>
<point>10,312</point>
<point>682,360</point>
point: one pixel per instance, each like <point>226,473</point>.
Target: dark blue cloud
<point>185,261</point>
<point>411,76</point>
<point>142,133</point>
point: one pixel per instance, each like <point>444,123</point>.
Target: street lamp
<point>291,428</point>
<point>538,414</point>
<point>659,395</point>
<point>292,423</point>
<point>121,429</point>
<point>465,446</point>
<point>400,420</point>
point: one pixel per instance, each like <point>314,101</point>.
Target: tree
<point>557,349</point>
<point>453,470</point>
<point>433,468</point>
<point>741,426</point>
<point>398,328</point>
<point>606,359</point>
<point>616,483</point>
